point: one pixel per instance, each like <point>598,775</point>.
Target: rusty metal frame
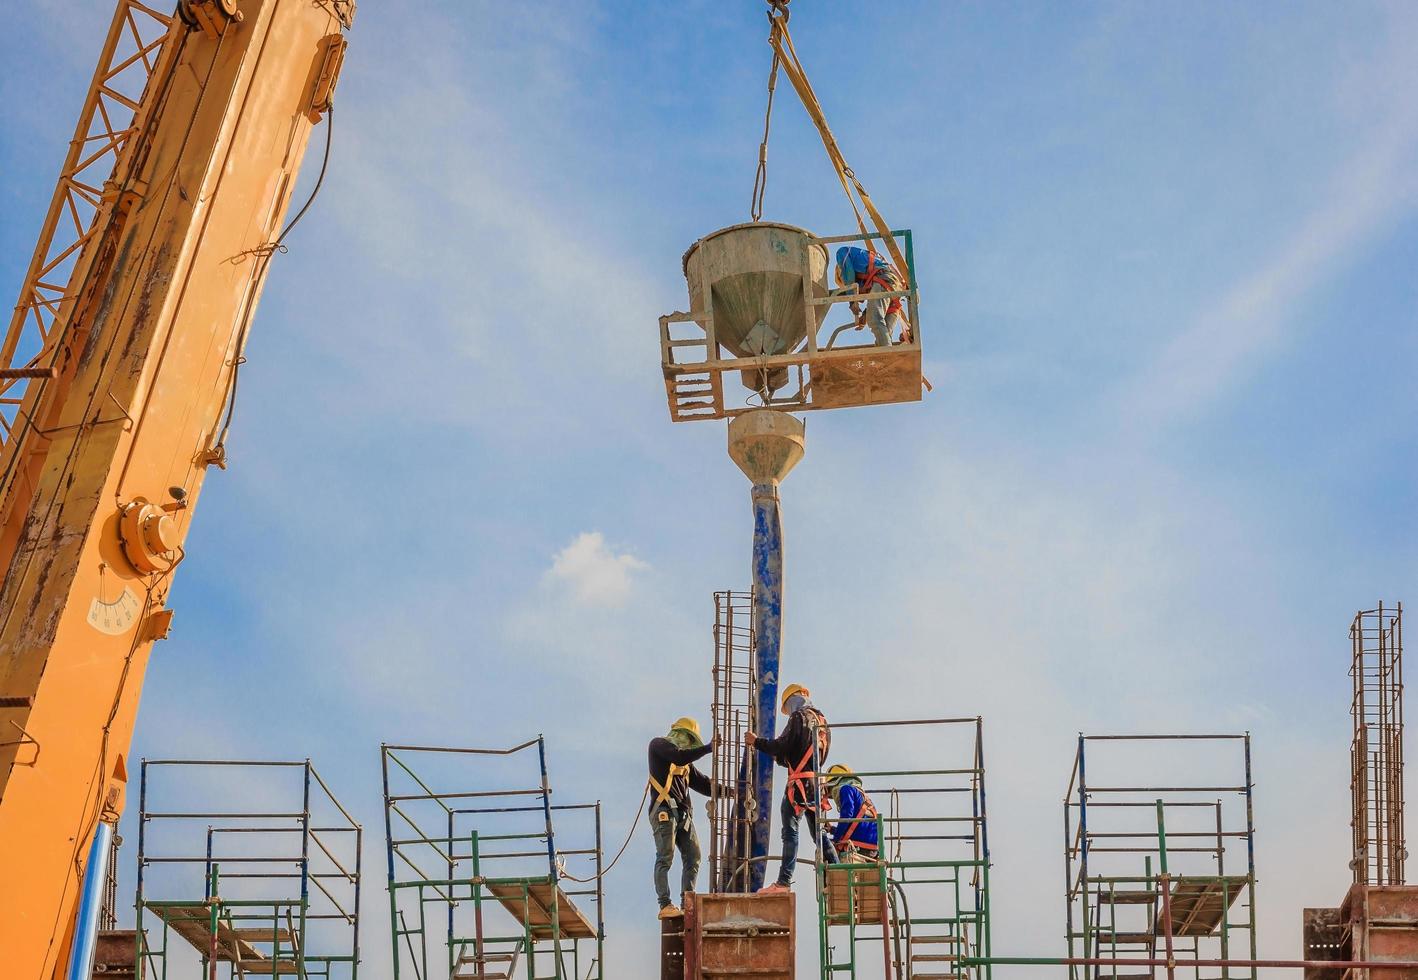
<point>1376,752</point>
<point>694,388</point>
<point>735,697</point>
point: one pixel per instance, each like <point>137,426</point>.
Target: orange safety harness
<point>803,776</point>
<point>867,813</point>
<point>881,277</point>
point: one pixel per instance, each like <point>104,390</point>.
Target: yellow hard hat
<point>839,774</point>
<point>690,726</point>
<point>789,691</point>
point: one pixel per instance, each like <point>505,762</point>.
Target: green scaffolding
<point>228,889</point>
<point>476,875</point>
<point>1151,869</point>
<point>920,907</point>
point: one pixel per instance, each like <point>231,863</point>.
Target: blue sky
<point>1166,259</point>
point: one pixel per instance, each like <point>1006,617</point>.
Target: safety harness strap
<point>662,791</point>
<point>867,813</point>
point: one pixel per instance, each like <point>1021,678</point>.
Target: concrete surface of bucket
<point>766,444</point>
<point>754,275</point>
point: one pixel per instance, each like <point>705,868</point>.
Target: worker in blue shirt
<point>855,828</point>
<point>860,271</point>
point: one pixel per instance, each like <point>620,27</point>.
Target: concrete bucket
<point>756,276</point>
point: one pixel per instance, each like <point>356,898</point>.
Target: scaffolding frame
<point>544,912</point>
<point>909,886</point>
<point>270,931</point>
<point>1188,913</point>
<point>732,765</point>
<point>1376,751</point>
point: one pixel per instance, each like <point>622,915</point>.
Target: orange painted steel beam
<point>164,268</point>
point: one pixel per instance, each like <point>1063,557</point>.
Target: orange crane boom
<point>117,374</point>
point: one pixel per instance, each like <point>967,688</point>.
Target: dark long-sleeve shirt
<point>789,748</point>
<point>663,754</point>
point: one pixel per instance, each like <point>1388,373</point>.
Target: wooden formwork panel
<point>875,376</point>
<point>862,885</point>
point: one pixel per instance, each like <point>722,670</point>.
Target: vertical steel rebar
<point>1376,755</point>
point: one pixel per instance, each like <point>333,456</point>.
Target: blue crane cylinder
<point>766,444</point>
<point>768,631</point>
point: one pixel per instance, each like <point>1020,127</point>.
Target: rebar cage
<point>825,370</point>
<point>920,907</point>
<point>1147,872</point>
<point>475,873</point>
<point>732,765</point>
<point>1376,753</point>
<point>247,891</point>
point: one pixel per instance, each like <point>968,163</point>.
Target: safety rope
<point>639,812</point>
<point>785,53</point>
<point>782,41</point>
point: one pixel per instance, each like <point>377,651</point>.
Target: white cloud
<point>1367,195</point>
<point>592,573</point>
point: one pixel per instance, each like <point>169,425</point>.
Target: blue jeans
<point>674,829</point>
<point>790,839</point>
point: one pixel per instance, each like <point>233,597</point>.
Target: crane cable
<point>639,812</point>
<point>760,179</point>
<point>263,255</point>
<point>786,54</point>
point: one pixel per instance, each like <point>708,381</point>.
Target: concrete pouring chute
<point>752,278</point>
<point>766,445</point>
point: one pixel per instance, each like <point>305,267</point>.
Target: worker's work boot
<point>774,888</point>
<point>670,912</point>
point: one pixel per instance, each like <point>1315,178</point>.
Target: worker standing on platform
<point>862,271</point>
<point>801,749</point>
<point>672,776</point>
<point>855,829</point>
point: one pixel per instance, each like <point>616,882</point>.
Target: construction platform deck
<point>231,944</point>
<point>1200,903</point>
<point>542,907</point>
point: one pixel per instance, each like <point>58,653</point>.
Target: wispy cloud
<point>1371,190</point>
<point>592,573</point>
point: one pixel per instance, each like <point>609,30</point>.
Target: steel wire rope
<point>760,177</point>
<point>639,812</point>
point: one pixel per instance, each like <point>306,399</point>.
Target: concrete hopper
<point>766,445</point>
<point>752,279</point>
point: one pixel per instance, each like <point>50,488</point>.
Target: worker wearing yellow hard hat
<point>802,750</point>
<point>672,776</point>
<point>855,829</point>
